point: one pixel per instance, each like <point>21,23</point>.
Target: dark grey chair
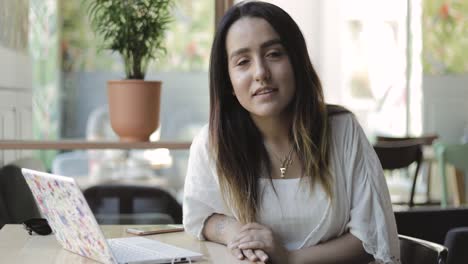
<point>129,204</point>
<point>424,140</point>
<point>456,241</point>
<point>442,226</point>
<point>17,203</point>
<point>418,251</point>
<point>398,155</point>
<point>431,224</point>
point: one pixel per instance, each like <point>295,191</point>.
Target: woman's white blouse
<point>300,217</point>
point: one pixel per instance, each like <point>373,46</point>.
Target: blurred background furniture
<point>424,139</point>
<point>430,224</point>
<point>17,203</point>
<point>448,227</point>
<point>414,250</point>
<point>126,204</point>
<point>457,156</point>
<point>427,159</point>
<point>171,179</point>
<point>76,163</point>
<point>457,242</point>
<point>398,155</point>
<point>110,163</point>
<point>71,164</point>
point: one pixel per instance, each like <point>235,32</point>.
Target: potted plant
<point>135,29</point>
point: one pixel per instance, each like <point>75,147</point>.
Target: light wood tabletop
<point>17,246</point>
<point>86,144</point>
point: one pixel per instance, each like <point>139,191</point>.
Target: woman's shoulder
<point>334,110</point>
<point>340,118</point>
<point>203,132</point>
<point>200,141</point>
<point>345,128</point>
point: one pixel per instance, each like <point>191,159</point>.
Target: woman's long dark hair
<point>236,143</point>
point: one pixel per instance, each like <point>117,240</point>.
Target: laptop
<point>63,205</point>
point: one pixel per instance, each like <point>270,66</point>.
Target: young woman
<point>277,175</point>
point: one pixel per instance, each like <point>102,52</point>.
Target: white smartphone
<point>155,229</point>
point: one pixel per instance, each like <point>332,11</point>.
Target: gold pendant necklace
<point>285,162</point>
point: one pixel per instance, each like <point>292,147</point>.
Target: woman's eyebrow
<point>270,43</point>
<point>264,45</point>
<point>237,52</point>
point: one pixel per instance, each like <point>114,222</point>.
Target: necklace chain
<point>285,162</point>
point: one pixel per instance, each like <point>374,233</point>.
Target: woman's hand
<point>256,237</point>
<point>223,229</point>
<point>253,255</point>
<point>250,254</point>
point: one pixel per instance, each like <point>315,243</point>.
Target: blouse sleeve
<point>371,217</point>
<point>202,196</point>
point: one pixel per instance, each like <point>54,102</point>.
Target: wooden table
<point>84,144</point>
<point>16,246</point>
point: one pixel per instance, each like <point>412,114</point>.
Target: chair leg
<point>443,176</point>
<point>413,187</point>
<point>459,187</point>
<point>428,180</point>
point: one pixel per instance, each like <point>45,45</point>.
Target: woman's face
<point>259,68</point>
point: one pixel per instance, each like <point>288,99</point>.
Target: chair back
<point>454,154</point>
<point>420,222</point>
<point>413,250</point>
<point>17,203</point>
<point>398,154</point>
<point>424,139</point>
<point>129,204</point>
<point>456,241</point>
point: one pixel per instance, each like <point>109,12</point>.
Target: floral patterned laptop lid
<point>63,205</point>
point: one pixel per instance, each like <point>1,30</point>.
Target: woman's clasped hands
<point>258,243</point>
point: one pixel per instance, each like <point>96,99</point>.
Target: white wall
<point>15,70</point>
<point>15,100</point>
<point>445,109</point>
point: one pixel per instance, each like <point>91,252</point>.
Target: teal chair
<point>456,155</point>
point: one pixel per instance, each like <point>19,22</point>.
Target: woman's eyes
<point>270,55</point>
<point>242,62</point>
<point>274,54</point>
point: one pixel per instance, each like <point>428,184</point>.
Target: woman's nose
<point>261,72</point>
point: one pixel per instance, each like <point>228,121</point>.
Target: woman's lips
<point>265,90</point>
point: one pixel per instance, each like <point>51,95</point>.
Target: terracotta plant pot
<point>134,108</point>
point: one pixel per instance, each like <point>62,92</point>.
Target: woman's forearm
<point>220,228</point>
<point>344,249</point>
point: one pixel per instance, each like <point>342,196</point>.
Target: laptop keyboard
<point>125,252</point>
